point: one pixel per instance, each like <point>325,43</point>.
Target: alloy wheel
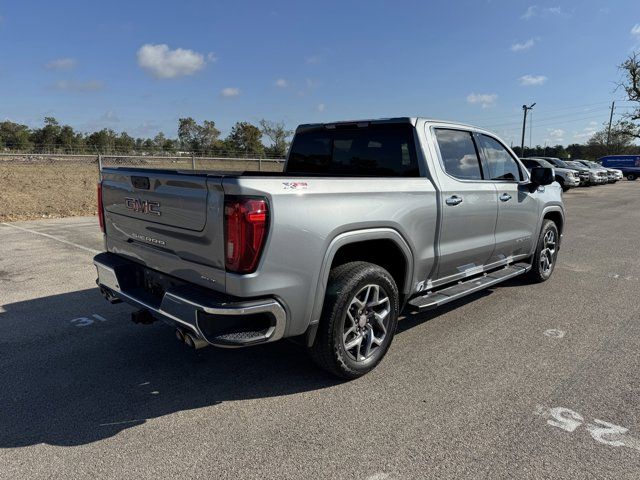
<point>366,322</point>
<point>548,253</point>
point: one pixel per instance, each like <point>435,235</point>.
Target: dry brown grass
<point>46,191</point>
<point>66,188</point>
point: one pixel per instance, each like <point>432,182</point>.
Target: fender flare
<point>545,210</point>
<point>347,238</point>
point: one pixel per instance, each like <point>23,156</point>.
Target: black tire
<point>329,348</point>
<point>631,176</point>
<point>538,273</point>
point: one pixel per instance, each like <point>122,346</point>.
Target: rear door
<point>517,207</point>
<point>469,206</point>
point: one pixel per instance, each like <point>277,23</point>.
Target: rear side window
<point>375,151</point>
<point>501,165</point>
<point>530,163</point>
<point>459,154</point>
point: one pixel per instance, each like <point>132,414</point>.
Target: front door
<point>517,208</point>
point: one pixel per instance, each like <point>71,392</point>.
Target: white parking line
<point>61,240</point>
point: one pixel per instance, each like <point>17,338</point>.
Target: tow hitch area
<point>142,317</point>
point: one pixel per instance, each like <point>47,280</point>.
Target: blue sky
<point>140,65</point>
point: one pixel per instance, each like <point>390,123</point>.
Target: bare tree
<point>631,85</point>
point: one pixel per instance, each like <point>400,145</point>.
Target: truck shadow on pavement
<point>69,385</point>
<point>66,385</point>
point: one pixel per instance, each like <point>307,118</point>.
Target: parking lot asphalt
<point>520,381</point>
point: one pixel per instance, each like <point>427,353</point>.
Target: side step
<point>440,297</point>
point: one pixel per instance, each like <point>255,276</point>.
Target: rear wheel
<point>359,319</point>
<point>631,176</point>
<point>544,259</point>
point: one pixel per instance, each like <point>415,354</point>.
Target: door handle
<point>505,197</point>
<point>454,200</point>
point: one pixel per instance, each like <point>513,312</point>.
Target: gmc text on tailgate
<point>369,218</point>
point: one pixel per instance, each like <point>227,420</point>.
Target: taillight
<point>246,222</point>
<point>100,209</point>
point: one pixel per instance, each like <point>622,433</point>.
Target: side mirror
<point>542,176</point>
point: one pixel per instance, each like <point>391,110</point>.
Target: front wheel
<point>544,259</point>
<point>631,176</point>
<point>358,321</point>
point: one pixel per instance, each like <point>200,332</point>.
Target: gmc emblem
<point>142,206</point>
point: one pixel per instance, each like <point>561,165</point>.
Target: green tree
<point>188,131</point>
<point>124,143</point>
<point>208,136</point>
<point>246,138</point>
<point>278,135</point>
<point>14,136</point>
<point>46,139</point>
<point>620,139</point>
<point>102,141</point>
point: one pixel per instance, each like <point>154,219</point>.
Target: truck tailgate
<point>171,221</point>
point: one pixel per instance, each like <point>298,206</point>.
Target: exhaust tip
<point>179,335</point>
<point>193,342</point>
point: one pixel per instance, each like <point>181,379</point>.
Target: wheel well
<point>555,217</point>
<point>384,253</point>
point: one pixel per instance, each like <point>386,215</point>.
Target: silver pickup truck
<point>369,218</point>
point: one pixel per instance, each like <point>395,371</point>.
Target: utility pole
<point>525,109</point>
<point>530,128</point>
<point>613,105</point>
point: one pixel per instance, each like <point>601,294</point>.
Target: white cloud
<point>162,62</point>
<point>61,64</point>
<point>556,135</point>
<point>313,59</point>
<point>320,107</point>
<point>145,129</point>
<point>72,86</point>
<point>530,12</point>
<point>281,83</point>
<point>529,80</point>
<point>587,132</point>
<point>311,83</point>
<point>635,31</point>
<point>230,92</point>
<point>521,47</point>
<point>535,11</point>
<point>110,117</point>
<point>484,99</point>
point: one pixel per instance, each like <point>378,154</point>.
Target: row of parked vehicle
<point>576,173</point>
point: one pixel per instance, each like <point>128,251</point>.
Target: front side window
<point>501,165</point>
<point>459,155</point>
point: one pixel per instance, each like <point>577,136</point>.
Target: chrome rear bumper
<point>216,318</point>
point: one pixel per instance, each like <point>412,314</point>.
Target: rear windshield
<point>373,151</point>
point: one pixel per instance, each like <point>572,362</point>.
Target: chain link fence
<point>36,185</point>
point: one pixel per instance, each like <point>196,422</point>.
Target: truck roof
<point>376,121</point>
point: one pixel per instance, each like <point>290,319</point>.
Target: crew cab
<point>369,218</point>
